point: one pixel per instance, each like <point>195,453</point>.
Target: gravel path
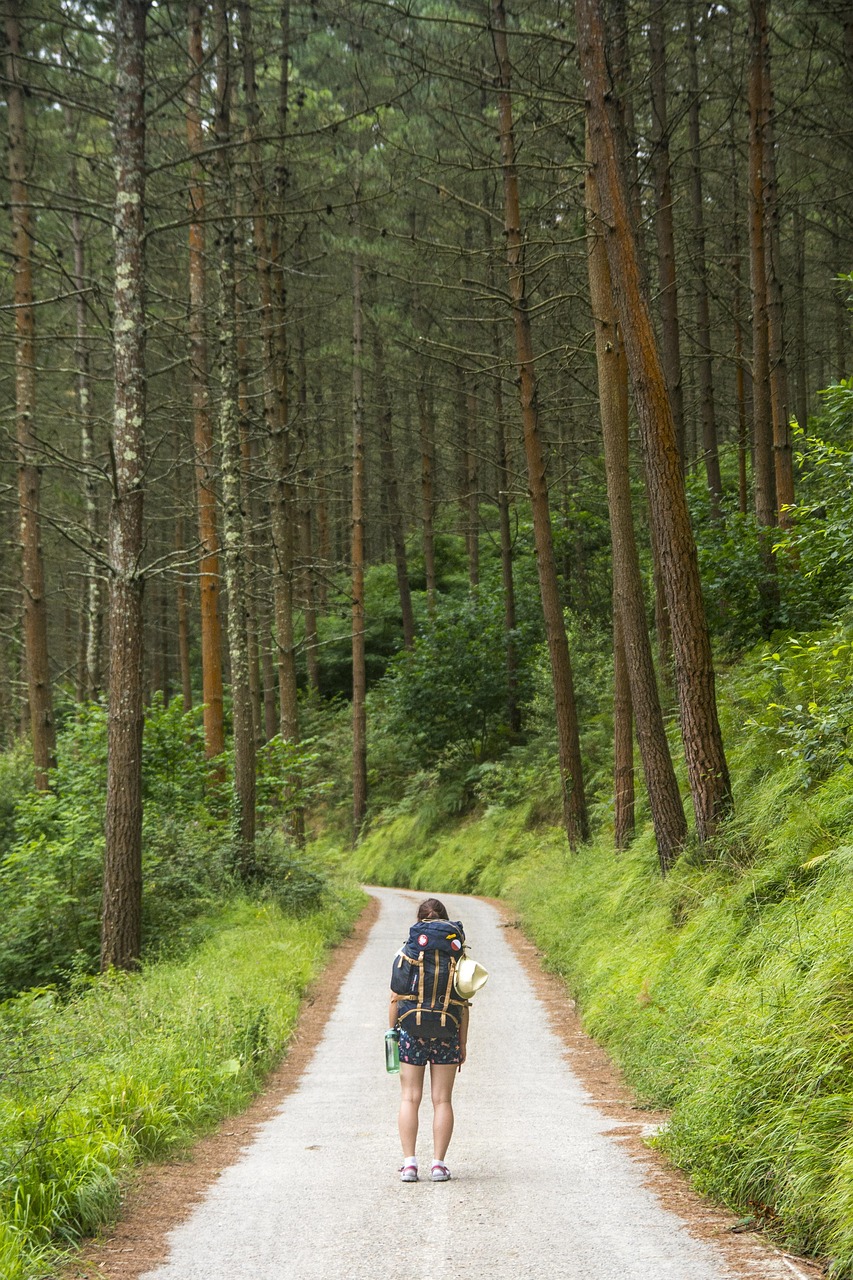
<point>539,1189</point>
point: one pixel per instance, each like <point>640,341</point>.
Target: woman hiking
<point>432,1021</point>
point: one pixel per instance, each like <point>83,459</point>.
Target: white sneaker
<point>409,1171</point>
<point>440,1171</point>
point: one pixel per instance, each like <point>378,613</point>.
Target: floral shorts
<point>417,1052</point>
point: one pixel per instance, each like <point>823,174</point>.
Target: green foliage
<point>289,777</point>
<point>294,881</point>
<point>51,872</point>
<point>808,714</point>
<point>814,557</point>
<point>453,687</point>
<point>16,779</point>
<point>128,1068</point>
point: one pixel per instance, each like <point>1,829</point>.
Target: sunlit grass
<point>133,1067</point>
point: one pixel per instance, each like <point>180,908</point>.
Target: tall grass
<point>132,1067</point>
<point>725,992</point>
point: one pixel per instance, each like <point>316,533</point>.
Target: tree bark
<point>229,431</point>
<point>425,427</point>
<point>801,394</point>
<point>472,484</point>
<point>783,453</point>
<point>763,465</point>
<point>92,608</point>
<point>513,708</point>
<point>623,741</point>
<point>502,477</point>
<point>42,724</point>
<point>183,611</point>
<point>575,817</point>
<point>664,221</point>
<point>276,385</point>
<point>389,475</point>
<point>630,633</point>
<point>359,673</point>
<point>121,925</point>
<point>710,449</point>
<point>203,443</point>
<point>694,670</point>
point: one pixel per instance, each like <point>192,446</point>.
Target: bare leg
<point>441,1081</point>
<point>412,1090</point>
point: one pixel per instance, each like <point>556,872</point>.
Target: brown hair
<point>432,909</point>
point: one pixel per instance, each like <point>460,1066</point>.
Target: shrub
<point>51,873</point>
<point>452,687</point>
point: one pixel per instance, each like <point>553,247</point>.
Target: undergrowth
<point>725,992</point>
<point>129,1067</point>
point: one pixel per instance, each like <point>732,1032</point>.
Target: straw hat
<point>469,977</point>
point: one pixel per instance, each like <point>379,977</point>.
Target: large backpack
<point>423,973</point>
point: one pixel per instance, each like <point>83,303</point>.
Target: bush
<point>452,687</point>
<point>295,882</point>
<point>51,873</point>
<point>813,558</point>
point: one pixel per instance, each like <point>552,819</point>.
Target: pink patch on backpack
<point>423,940</point>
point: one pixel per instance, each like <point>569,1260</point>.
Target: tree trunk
<point>389,475</point>
<point>783,454</point>
<point>229,430</point>
<point>92,609</point>
<point>664,222</point>
<point>121,930</point>
<point>276,391</point>
<point>707,413</point>
<point>841,312</point>
<point>183,612</point>
<point>359,674</point>
<point>571,770</point>
<point>271,717</point>
<point>630,633</point>
<point>801,363</point>
<point>427,492</point>
<point>205,460</point>
<point>763,465</point>
<point>42,725</point>
<point>623,741</point>
<point>472,484</point>
<point>694,670</point>
<point>737,321</point>
<point>306,529</point>
<point>513,709</point>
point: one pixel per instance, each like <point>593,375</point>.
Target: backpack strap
<point>420,989</point>
<point>449,990</point>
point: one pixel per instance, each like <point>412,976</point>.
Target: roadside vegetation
<point>725,989</point>
<point>117,1069</point>
<point>100,1072</point>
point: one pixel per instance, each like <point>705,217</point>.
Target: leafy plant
<point>453,686</point>
<point>51,872</point>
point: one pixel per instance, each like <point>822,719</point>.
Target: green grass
<point>724,992</point>
<point>132,1067</point>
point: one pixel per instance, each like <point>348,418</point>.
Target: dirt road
<point>542,1185</point>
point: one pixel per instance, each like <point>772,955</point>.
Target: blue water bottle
<point>392,1050</point>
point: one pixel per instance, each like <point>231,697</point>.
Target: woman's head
<point>432,909</point>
